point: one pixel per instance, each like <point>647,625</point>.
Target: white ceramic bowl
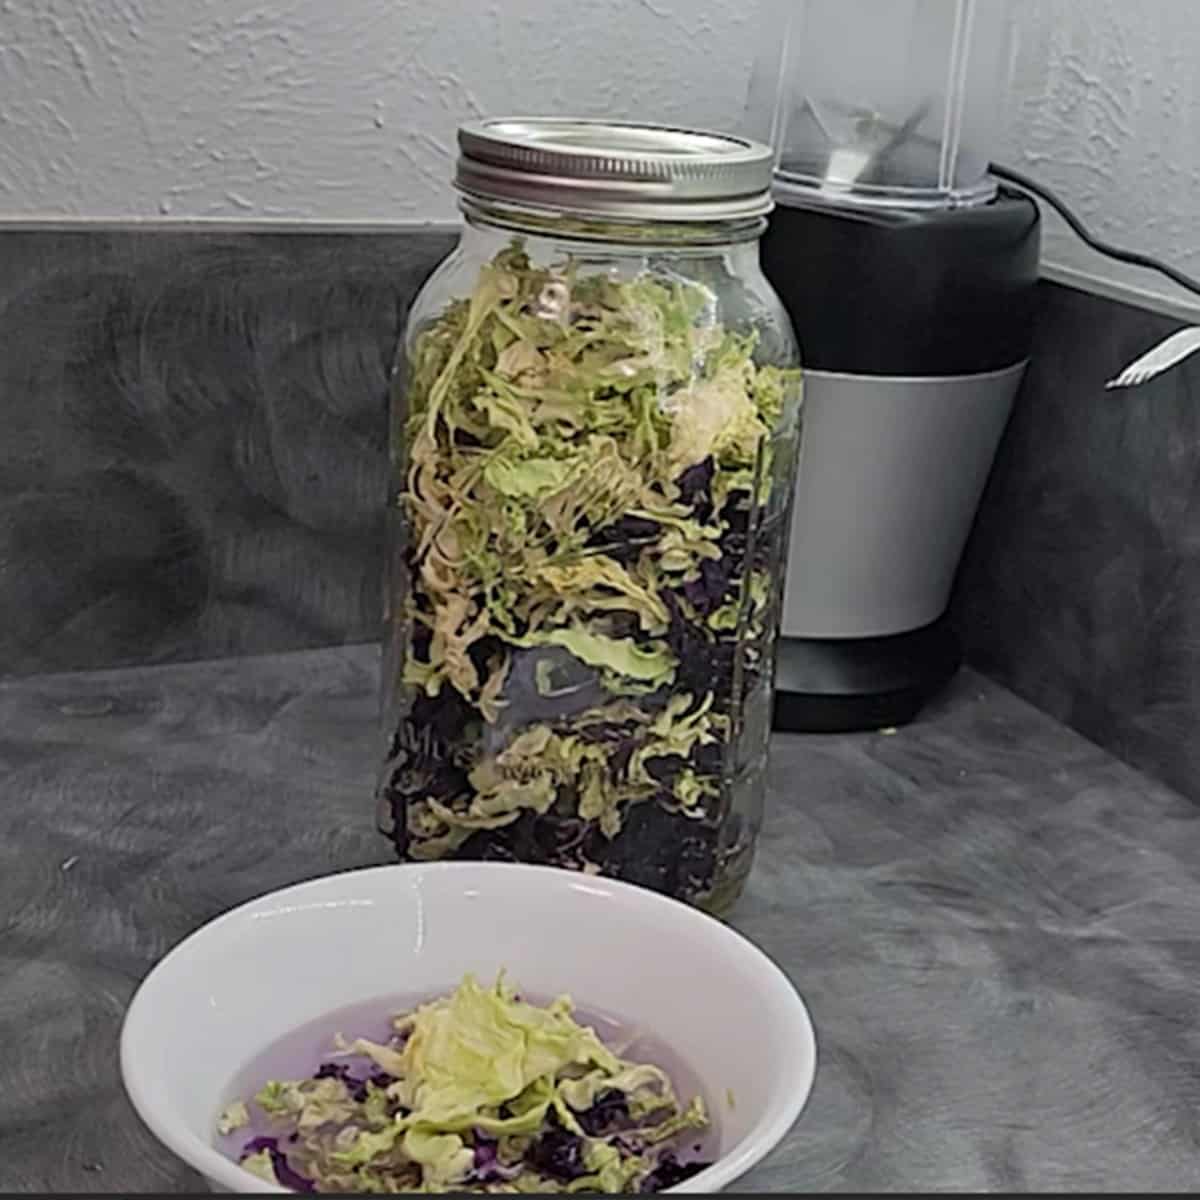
<point>227,992</point>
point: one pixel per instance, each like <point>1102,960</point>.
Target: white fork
<point>1162,358</point>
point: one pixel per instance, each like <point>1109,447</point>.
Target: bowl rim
<point>799,1055</point>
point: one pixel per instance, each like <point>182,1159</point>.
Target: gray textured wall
<point>1080,588</point>
<point>192,456</point>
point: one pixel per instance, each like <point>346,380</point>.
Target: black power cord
<point>1132,257</point>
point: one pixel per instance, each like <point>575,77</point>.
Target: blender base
<point>849,685</point>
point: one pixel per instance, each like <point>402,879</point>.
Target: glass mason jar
<point>594,439</point>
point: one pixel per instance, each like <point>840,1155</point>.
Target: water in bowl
<point>299,1053</point>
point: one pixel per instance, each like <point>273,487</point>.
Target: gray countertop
<point>994,922</point>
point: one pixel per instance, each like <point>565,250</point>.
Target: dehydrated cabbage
<point>587,463</point>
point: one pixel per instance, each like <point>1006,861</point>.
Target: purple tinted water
<point>298,1054</point>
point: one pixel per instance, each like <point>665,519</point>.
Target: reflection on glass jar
<point>594,440</point>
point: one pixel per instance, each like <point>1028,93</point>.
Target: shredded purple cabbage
<point>671,1171</point>
<point>682,855</point>
<point>607,1115</point>
<point>488,1167</point>
<point>486,1149</point>
<point>708,593</point>
<point>694,487</point>
<point>356,1086</point>
<point>559,1154</point>
<point>623,541</point>
<point>287,1177</point>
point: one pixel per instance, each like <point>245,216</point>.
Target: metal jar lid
<point>615,170</point>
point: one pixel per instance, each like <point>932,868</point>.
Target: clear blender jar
<point>881,102</point>
<point>910,276</point>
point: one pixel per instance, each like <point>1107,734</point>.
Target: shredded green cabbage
<point>586,466</point>
<point>480,1091</point>
<point>573,418</point>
